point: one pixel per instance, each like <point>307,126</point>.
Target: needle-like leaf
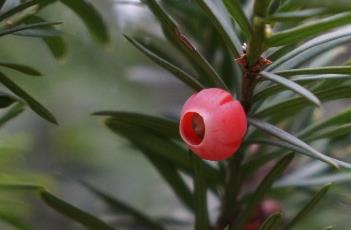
<point>239,16</point>
<point>309,206</point>
<point>33,104</point>
<point>287,137</point>
<point>222,24</point>
<point>304,31</point>
<point>292,86</point>
<point>262,189</point>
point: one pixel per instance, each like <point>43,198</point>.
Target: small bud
<point>268,31</point>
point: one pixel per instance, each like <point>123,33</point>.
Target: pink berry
<point>213,124</point>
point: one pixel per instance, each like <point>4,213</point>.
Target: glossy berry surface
<point>213,124</point>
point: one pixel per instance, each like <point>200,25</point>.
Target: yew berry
<point>213,124</point>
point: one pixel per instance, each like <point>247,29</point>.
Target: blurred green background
<point>90,78</point>
<point>93,78</point>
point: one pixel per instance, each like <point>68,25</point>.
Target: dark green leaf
<point>146,140</point>
<point>176,71</point>
<point>287,137</point>
<point>2,2</point>
<point>90,17</point>
<point>166,167</point>
<point>271,222</point>
<point>74,213</point>
<point>21,68</point>
<point>119,206</point>
<point>13,112</point>
<point>6,100</point>
<point>26,27</point>
<point>200,194</point>
<point>309,206</point>
<point>304,31</point>
<point>261,8</point>
<point>239,16</point>
<point>262,189</point>
<point>173,33</point>
<point>160,125</point>
<point>315,70</point>
<point>292,86</point>
<point>222,24</point>
<point>33,104</point>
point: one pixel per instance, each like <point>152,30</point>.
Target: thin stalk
<point>251,64</point>
<point>200,194</point>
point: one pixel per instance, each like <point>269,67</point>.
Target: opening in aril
<point>193,128</point>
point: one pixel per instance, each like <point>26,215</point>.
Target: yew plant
<point>273,63</point>
<point>275,57</point>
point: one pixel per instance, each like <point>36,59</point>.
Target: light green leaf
<point>287,137</point>
<point>39,32</point>
<point>271,222</point>
<point>200,193</point>
<point>296,149</point>
<point>119,206</point>
<point>331,133</point>
<point>21,68</point>
<point>56,44</point>
<point>174,34</point>
<point>296,15</point>
<point>262,189</point>
<point>292,106</point>
<point>314,181</point>
<point>176,71</point>
<point>302,80</point>
<point>222,24</point>
<point>239,16</point>
<point>308,208</point>
<point>338,119</point>
<point>311,48</point>
<point>316,70</point>
<point>309,29</point>
<point>91,18</point>
<point>26,27</point>
<point>33,104</point>
<point>292,86</point>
